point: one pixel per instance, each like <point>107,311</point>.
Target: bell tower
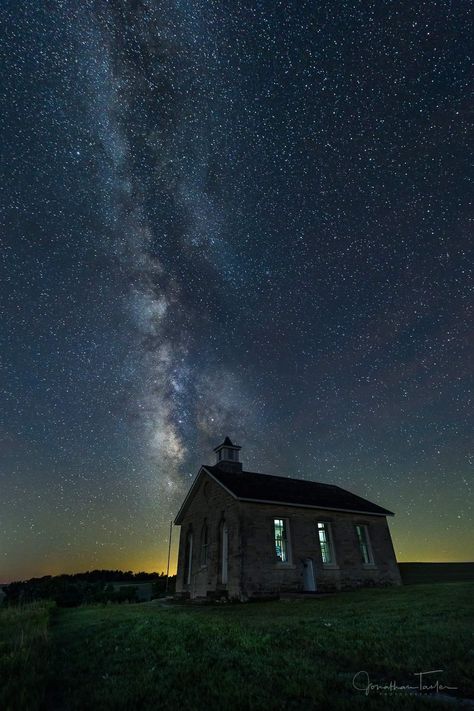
<point>227,456</point>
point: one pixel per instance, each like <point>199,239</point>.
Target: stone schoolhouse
<point>246,535</point>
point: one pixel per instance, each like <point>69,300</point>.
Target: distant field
<point>435,572</point>
<point>273,655</point>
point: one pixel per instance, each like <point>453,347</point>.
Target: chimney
<point>227,456</point>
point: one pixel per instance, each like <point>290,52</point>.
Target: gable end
<point>193,489</point>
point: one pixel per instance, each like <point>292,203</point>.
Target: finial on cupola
<point>227,456</point>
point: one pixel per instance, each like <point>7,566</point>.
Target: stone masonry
<point>253,567</point>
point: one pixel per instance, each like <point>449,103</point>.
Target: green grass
<point>276,655</point>
<point>272,655</point>
<point>24,655</point>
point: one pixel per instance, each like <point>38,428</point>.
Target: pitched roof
<point>297,492</point>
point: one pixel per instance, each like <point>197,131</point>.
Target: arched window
<point>223,553</point>
<point>188,559</point>
<point>204,543</point>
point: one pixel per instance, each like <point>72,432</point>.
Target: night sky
<point>234,218</point>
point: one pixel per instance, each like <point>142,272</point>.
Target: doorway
<point>309,583</point>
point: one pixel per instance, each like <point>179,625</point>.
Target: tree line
<point>95,586</point>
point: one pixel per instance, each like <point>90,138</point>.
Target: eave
<point>181,511</point>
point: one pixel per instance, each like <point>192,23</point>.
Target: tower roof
<point>227,443</point>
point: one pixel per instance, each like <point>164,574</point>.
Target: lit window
<point>280,526</point>
<point>364,544</point>
<point>325,542</point>
<point>204,544</point>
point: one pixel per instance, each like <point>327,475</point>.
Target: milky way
<point>232,218</point>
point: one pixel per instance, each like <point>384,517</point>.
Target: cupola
<point>227,456</point>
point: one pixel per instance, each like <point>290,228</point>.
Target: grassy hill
<point>274,655</point>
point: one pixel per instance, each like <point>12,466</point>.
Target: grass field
<point>273,655</point>
<point>24,649</point>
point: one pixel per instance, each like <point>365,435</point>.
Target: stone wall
<point>264,575</point>
<point>253,569</point>
<point>211,503</point>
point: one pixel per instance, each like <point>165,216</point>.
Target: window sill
<point>281,564</point>
<point>330,566</point>
<point>369,566</point>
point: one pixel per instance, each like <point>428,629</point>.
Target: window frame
<point>329,541</point>
<point>204,553</point>
<point>223,562</point>
<point>287,538</point>
<point>365,544</point>
<point>188,557</point>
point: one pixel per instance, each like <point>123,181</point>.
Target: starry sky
<point>232,217</point>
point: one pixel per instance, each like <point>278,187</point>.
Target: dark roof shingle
<point>299,492</point>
